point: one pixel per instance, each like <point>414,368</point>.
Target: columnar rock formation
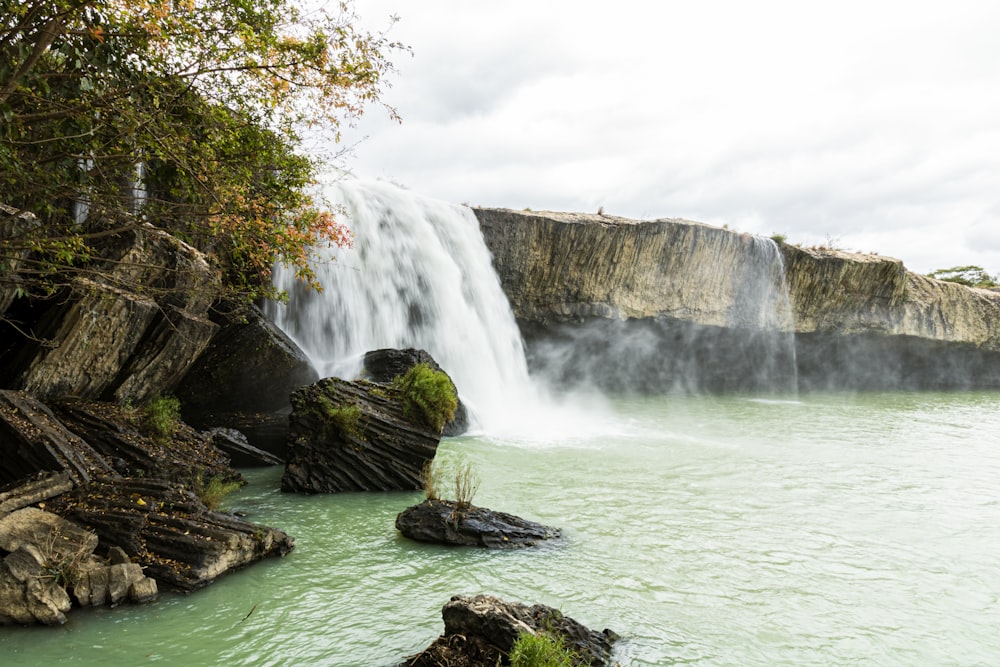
<point>678,304</point>
<point>99,340</point>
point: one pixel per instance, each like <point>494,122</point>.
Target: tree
<point>185,114</point>
<point>972,276</point>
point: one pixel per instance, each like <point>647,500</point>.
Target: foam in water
<point>418,275</point>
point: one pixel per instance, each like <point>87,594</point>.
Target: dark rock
<point>479,631</point>
<point>249,366</point>
<point>33,490</point>
<point>383,366</point>
<point>33,440</point>
<point>96,340</point>
<point>241,453</point>
<point>116,434</point>
<point>353,436</point>
<point>267,431</point>
<point>445,522</point>
<point>169,531</point>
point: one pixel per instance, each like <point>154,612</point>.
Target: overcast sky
<point>873,124</point>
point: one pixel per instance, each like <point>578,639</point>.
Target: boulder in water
<point>480,631</point>
<point>354,436</point>
<point>448,522</point>
<point>385,365</point>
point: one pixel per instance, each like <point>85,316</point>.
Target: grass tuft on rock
<point>428,396</point>
<point>161,417</point>
<point>215,490</point>
<point>540,650</point>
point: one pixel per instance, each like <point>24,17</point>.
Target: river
<point>822,530</point>
<point>771,529</point>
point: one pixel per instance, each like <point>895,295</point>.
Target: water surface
<point>825,530</point>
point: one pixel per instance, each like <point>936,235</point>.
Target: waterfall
<point>418,275</point>
<point>763,308</point>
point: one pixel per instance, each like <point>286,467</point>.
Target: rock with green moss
<point>484,630</point>
<point>386,365</point>
<point>355,436</point>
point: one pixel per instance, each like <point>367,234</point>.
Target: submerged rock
<point>480,631</point>
<point>354,436</point>
<point>446,522</point>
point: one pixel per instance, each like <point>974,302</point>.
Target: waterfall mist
<point>754,352</point>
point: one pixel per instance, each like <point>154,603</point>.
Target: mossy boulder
<point>355,436</point>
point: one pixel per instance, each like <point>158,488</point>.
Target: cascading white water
<point>763,307</point>
<point>418,275</point>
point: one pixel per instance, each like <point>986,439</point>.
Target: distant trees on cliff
<point>972,276</point>
<point>183,113</point>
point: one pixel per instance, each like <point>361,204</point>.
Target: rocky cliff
<point>677,304</point>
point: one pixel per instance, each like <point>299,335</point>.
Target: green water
<point>828,530</point>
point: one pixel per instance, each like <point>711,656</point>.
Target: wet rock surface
<point>447,522</point>
<point>353,436</point>
<point>481,630</point>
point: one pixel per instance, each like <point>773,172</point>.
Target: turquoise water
<point>825,530</point>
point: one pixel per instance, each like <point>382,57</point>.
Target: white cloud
<point>871,122</point>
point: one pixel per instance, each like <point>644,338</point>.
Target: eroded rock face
<point>353,436</point>
<point>98,340</point>
<point>671,304</point>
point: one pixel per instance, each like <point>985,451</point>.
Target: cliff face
<point>558,267</point>
<point>678,304</point>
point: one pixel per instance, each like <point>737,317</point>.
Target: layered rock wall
<point>674,304</point>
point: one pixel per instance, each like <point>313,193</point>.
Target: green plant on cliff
<point>540,650</point>
<point>161,416</point>
<point>183,114</point>
<point>971,276</point>
<point>428,396</point>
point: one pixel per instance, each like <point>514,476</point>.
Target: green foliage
<point>215,490</point>
<point>540,650</point>
<point>428,396</point>
<point>161,416</point>
<point>971,276</point>
<point>345,418</point>
<point>209,96</point>
<point>779,238</point>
